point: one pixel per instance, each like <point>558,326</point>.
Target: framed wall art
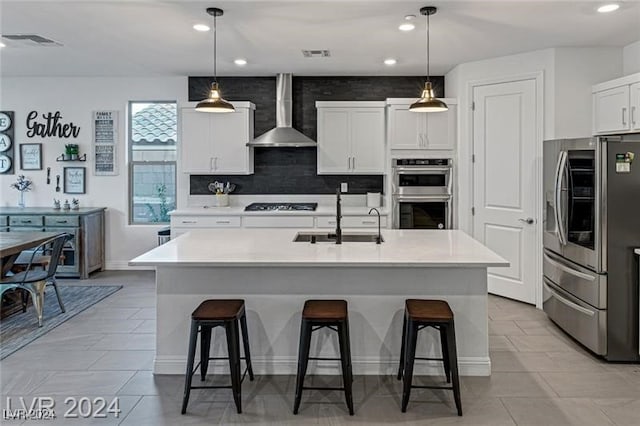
<point>75,180</point>
<point>31,156</point>
<point>105,139</point>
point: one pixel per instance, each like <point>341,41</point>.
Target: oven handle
<point>422,170</point>
<point>418,199</point>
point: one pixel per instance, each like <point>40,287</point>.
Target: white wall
<point>76,98</point>
<point>631,58</point>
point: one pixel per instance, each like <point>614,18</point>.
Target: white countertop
<point>239,211</point>
<point>275,247</point>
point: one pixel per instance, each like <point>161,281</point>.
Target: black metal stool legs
<point>345,359</point>
<point>193,338</point>
<point>233,343</point>
<point>410,341</point>
<point>205,347</point>
<point>445,352</point>
<point>245,343</point>
<point>453,356</point>
<point>303,361</point>
<point>404,336</point>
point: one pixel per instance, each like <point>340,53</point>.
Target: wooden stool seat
<point>428,310</point>
<point>218,310</point>
<point>325,310</point>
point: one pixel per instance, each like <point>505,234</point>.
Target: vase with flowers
<point>23,184</point>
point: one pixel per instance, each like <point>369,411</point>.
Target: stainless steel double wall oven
<point>591,227</point>
<point>422,194</point>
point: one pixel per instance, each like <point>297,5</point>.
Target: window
<point>152,161</point>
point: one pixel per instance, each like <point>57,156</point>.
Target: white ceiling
<point>148,37</point>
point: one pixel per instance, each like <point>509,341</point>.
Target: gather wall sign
<point>50,125</point>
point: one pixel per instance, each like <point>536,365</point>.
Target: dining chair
<point>34,281</point>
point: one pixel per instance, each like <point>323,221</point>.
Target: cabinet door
<point>406,128</point>
<point>333,141</point>
<point>195,141</point>
<point>611,110</point>
<point>367,140</point>
<point>229,137</point>
<point>635,106</point>
<point>441,129</point>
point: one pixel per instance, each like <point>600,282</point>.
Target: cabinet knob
<point>624,114</point>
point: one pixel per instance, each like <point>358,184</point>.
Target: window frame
<point>132,163</point>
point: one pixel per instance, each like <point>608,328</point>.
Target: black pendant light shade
<point>215,102</point>
<point>427,101</point>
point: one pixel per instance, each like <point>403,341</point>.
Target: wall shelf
<point>82,158</point>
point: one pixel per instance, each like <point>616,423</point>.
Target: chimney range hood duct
<point>283,135</point>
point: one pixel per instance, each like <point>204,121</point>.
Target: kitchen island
<point>275,275</point>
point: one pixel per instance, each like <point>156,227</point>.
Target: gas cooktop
<point>258,207</point>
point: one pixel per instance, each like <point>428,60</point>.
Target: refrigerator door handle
<point>567,269</point>
<point>560,168</point>
<point>570,304</point>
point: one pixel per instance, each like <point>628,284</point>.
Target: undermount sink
<point>331,238</point>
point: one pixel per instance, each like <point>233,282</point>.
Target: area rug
<point>20,329</point>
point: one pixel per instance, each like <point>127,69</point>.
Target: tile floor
<point>540,376</point>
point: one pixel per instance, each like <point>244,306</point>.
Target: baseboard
<point>123,265</point>
<point>468,366</point>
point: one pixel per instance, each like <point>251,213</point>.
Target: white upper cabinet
<point>351,137</point>
<point>216,143</point>
<point>616,105</point>
<point>421,130</point>
<point>635,106</point>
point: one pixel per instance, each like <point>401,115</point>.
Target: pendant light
<point>427,101</point>
<point>214,103</point>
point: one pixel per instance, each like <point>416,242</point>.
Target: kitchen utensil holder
<point>221,200</point>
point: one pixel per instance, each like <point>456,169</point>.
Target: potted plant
<point>71,151</point>
<point>23,184</point>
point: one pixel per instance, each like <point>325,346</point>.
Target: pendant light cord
<point>428,79</point>
<point>215,43</point>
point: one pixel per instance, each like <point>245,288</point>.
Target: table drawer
<point>62,221</point>
<point>352,222</point>
<point>205,222</point>
<point>4,220</point>
<point>26,220</point>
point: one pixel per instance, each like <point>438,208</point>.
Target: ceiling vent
<point>31,40</point>
<point>316,53</point>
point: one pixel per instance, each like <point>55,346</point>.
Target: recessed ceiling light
<point>390,61</point>
<point>201,27</point>
<point>608,7</point>
<point>240,62</point>
<point>2,44</point>
<point>407,26</point>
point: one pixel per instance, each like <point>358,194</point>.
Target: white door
<point>504,144</point>
<point>367,141</point>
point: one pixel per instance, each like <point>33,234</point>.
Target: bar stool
<point>419,314</point>
<point>319,314</point>
<point>207,316</point>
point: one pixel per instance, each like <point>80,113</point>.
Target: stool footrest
<point>211,387</point>
<point>321,388</point>
<point>320,358</point>
<point>431,387</point>
<point>429,359</point>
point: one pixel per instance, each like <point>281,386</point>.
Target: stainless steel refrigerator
<point>591,228</point>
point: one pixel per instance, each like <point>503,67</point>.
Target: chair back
<point>56,245</point>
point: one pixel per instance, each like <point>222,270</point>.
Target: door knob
<point>528,221</point>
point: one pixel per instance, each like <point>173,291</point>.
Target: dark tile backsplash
<point>287,171</point>
<point>293,170</point>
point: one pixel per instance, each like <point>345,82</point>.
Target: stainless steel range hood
<point>283,135</point>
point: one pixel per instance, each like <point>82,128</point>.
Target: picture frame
<point>31,156</point>
<point>74,181</point>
